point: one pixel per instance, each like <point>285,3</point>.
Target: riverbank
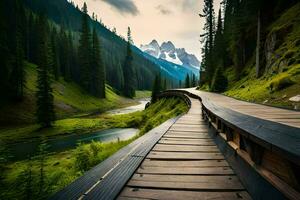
<point>74,124</point>
<point>59,169</point>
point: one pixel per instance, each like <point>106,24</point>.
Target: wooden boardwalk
<point>185,164</point>
<point>282,116</point>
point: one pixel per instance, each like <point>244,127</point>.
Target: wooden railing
<point>270,148</point>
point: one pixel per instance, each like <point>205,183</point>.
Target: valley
<point>89,109</point>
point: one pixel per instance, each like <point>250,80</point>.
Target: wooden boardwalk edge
<point>92,179</point>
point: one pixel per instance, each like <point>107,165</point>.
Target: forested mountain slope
<point>280,79</point>
<point>69,99</point>
<point>67,15</point>
<point>254,50</point>
<point>50,35</point>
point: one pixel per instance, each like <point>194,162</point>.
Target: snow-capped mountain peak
<point>168,51</point>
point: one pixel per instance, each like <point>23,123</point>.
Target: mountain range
<point>167,51</point>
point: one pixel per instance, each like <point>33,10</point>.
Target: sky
<point>177,21</point>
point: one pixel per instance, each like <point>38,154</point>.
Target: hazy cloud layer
<point>163,10</point>
<point>124,6</point>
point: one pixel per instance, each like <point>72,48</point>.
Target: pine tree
<point>98,75</point>
<point>219,82</point>
<point>55,51</point>
<point>156,89</point>
<point>18,73</point>
<point>194,82</point>
<point>17,76</point>
<point>164,87</point>
<point>187,81</point>
<point>84,50</point>
<point>208,36</point>
<point>4,54</point>
<point>128,69</point>
<point>219,47</point>
<point>119,77</point>
<point>45,107</point>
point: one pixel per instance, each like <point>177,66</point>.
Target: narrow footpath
<point>185,164</point>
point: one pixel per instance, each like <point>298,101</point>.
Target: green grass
<point>287,31</point>
<point>142,94</point>
<point>63,168</point>
<point>60,169</point>
<point>282,78</point>
<point>69,99</point>
<point>81,125</point>
<point>272,90</point>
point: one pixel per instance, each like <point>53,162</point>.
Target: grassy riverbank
<point>23,178</point>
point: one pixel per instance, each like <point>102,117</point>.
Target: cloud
<point>163,10</point>
<point>188,5</point>
<point>124,6</point>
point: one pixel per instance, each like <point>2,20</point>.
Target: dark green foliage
<point>84,50</point>
<point>281,83</point>
<point>3,160</point>
<point>17,79</point>
<point>32,182</point>
<point>219,82</point>
<point>45,107</point>
<point>187,81</point>
<point>98,75</point>
<point>128,70</point>
<point>24,183</point>
<point>13,35</point>
<point>157,88</point>
<point>92,70</point>
<point>208,39</point>
<point>55,54</point>
<point>237,39</point>
<point>194,81</point>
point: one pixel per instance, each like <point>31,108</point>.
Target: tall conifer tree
<point>157,87</point>
<point>208,36</point>
<point>45,106</point>
<point>98,75</point>
<point>129,72</point>
<point>84,50</point>
<point>187,81</point>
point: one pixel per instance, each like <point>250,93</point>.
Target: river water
<point>21,151</point>
<point>130,109</point>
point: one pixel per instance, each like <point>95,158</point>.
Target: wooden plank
<point>185,148</point>
<point>186,163</point>
<point>193,136</point>
<point>188,139</point>
<point>200,122</point>
<point>185,156</point>
<point>187,170</point>
<point>196,126</point>
<point>227,179</point>
<point>139,193</point>
<point>187,142</point>
<point>215,183</point>
<point>188,129</point>
<point>201,132</point>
